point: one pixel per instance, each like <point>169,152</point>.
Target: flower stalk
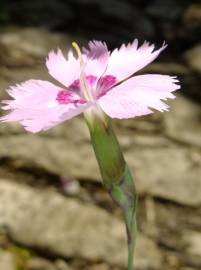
<point>115,173</point>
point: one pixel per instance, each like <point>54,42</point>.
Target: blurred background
<point>54,212</point>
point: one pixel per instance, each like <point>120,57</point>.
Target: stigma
<point>84,86</point>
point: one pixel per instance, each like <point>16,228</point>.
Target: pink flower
<point>97,78</point>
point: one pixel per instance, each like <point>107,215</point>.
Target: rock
<point>57,156</point>
<point>100,266</point>
<point>68,228</point>
<point>165,173</point>
<point>61,265</point>
<point>53,151</point>
<point>6,261</point>
<point>144,250</point>
<point>21,46</point>
<point>192,261</point>
<point>182,123</point>
<point>187,268</point>
<point>151,124</point>
<point>192,16</point>
<point>39,264</point>
<point>193,242</point>
<point>193,58</point>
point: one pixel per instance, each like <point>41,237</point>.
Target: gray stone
<point>6,261</point>
<point>168,172</point>
<point>193,242</point>
<point>54,155</point>
<point>100,266</point>
<point>68,228</point>
<point>21,46</point>
<point>192,19</point>
<point>193,57</point>
<point>182,122</point>
<point>62,265</point>
<point>39,264</point>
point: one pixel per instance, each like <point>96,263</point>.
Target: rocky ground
<point>54,212</point>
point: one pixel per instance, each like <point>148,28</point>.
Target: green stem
<point>125,196</point>
<point>131,227</point>
<point>115,173</point>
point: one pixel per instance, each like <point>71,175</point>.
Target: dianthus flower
<point>96,80</point>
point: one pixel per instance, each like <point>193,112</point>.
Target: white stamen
<point>83,82</point>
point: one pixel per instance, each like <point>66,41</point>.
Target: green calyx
<point>106,148</point>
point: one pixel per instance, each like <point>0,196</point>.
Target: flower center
<point>85,88</point>
<point>98,87</point>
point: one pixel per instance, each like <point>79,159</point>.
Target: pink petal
<point>96,58</point>
<point>63,70</point>
<point>131,58</point>
<point>96,50</point>
<point>137,95</point>
<point>95,67</point>
<point>36,108</point>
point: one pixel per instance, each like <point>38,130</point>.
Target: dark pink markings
<point>64,97</point>
<point>105,84</point>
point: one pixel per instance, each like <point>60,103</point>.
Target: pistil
<point>83,82</point>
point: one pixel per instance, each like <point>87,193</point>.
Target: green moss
<point>21,256</point>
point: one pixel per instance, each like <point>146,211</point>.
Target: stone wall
<point>54,212</point>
